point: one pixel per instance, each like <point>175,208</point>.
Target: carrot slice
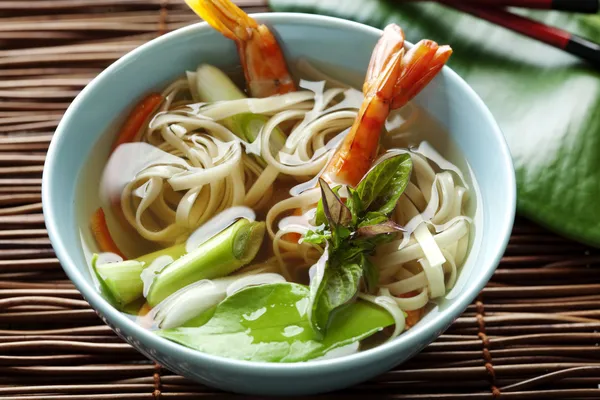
<point>137,117</point>
<point>102,234</point>
<point>293,237</point>
<point>412,316</point>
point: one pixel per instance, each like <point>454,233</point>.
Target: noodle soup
<point>297,220</point>
<point>164,198</point>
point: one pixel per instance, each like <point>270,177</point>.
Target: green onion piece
<point>219,256</point>
<point>214,85</point>
<point>121,281</point>
<point>174,252</point>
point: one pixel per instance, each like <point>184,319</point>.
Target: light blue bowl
<point>333,41</point>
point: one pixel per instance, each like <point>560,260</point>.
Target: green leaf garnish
<point>370,272</point>
<point>318,236</point>
<point>320,218</point>
<point>355,204</point>
<point>382,227</point>
<point>373,218</point>
<point>351,232</point>
<point>270,323</point>
<point>334,284</point>
<point>334,208</point>
<point>383,185</point>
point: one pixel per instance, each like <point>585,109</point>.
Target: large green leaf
<point>546,101</point>
<point>270,323</point>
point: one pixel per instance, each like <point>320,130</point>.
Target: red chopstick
<point>579,6</point>
<point>556,37</point>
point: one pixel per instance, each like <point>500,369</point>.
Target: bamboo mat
<point>531,334</point>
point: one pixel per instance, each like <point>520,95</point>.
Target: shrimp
<point>393,79</point>
<point>261,57</point>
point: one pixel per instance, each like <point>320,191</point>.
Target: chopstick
<point>556,37</point>
<point>579,6</point>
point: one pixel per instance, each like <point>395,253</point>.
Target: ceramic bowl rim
<point>177,351</point>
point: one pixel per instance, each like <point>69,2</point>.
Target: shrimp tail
<point>392,80</point>
<point>390,43</point>
<point>262,60</point>
<point>225,17</point>
<point>419,66</point>
<point>359,148</point>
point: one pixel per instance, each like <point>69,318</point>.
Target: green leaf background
<point>546,101</point>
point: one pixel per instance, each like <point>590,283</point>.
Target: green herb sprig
<point>350,232</point>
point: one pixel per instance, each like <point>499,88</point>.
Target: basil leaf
<point>320,218</point>
<point>353,250</point>
<point>387,226</point>
<point>383,185</point>
<point>339,234</point>
<point>379,239</point>
<point>319,236</point>
<point>269,323</point>
<point>373,218</point>
<point>341,269</point>
<point>335,210</point>
<point>368,244</point>
<point>334,286</point>
<point>370,273</point>
<point>354,204</point>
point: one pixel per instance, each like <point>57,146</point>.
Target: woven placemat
<point>531,334</point>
